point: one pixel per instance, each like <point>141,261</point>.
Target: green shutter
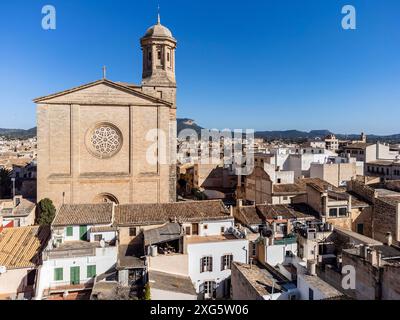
<point>58,274</point>
<point>83,233</point>
<point>91,271</point>
<point>75,275</point>
<point>70,231</point>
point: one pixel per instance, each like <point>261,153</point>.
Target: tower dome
<point>158,30</point>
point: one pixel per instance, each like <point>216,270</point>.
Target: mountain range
<point>296,135</point>
<point>186,123</point>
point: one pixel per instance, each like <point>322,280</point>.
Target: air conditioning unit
<point>3,269</point>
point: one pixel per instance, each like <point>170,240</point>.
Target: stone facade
<point>94,141</point>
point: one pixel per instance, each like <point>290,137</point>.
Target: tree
<point>5,183</point>
<point>147,293</point>
<point>47,212</point>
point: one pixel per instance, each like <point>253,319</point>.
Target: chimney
<point>372,257</point>
<point>231,211</point>
<point>389,239</point>
<point>311,267</point>
<point>379,258</point>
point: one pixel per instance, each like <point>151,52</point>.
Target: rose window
<point>105,141</point>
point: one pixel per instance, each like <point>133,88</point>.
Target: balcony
<point>72,249</point>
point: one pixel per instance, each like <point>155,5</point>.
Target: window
<point>279,181</point>
<point>58,274</point>
<point>360,228</point>
<point>159,55</point>
<point>209,289</point>
<point>132,232</point>
<point>222,230</point>
<point>343,212</point>
<point>206,264</point>
<point>188,231</point>
<point>149,56</point>
<point>168,58</point>
<point>310,294</point>
<point>285,198</point>
<point>333,212</point>
<point>98,237</point>
<point>205,227</point>
<point>254,249</point>
<point>91,271</point>
<point>70,231</point>
<point>226,262</point>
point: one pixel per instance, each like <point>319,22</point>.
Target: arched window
<point>105,198</point>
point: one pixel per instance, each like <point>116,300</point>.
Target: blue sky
<point>262,64</point>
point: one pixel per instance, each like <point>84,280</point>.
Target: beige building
<point>94,140</point>
<point>337,174</point>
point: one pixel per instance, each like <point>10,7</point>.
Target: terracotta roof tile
<point>188,211</point>
<point>20,247</point>
<point>84,214</point>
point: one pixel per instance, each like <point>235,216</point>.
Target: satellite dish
<point>3,269</point>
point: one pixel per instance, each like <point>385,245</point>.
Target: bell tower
<point>158,46</point>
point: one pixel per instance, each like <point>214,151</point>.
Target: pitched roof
<point>286,211</point>
<point>300,186</point>
<point>168,232</point>
<point>170,282</point>
<point>160,213</point>
<point>116,85</point>
<point>20,247</point>
<point>84,214</point>
<point>291,188</point>
<point>248,215</point>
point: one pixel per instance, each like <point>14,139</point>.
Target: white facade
<point>104,260</point>
<point>57,267</point>
<point>276,254</point>
<point>314,288</point>
<point>237,248</point>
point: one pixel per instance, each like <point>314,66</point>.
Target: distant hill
<point>296,135</point>
<point>18,133</point>
<point>186,123</point>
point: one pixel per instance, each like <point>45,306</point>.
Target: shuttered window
<point>70,231</point>
<point>226,262</point>
<point>206,264</point>
<point>91,271</point>
<point>58,274</point>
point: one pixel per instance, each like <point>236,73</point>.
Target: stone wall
<point>241,287</point>
<point>362,190</point>
<point>384,220</point>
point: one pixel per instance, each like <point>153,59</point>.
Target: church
<point>93,140</point>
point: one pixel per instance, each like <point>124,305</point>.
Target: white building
<point>82,246</point>
<point>187,239</point>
